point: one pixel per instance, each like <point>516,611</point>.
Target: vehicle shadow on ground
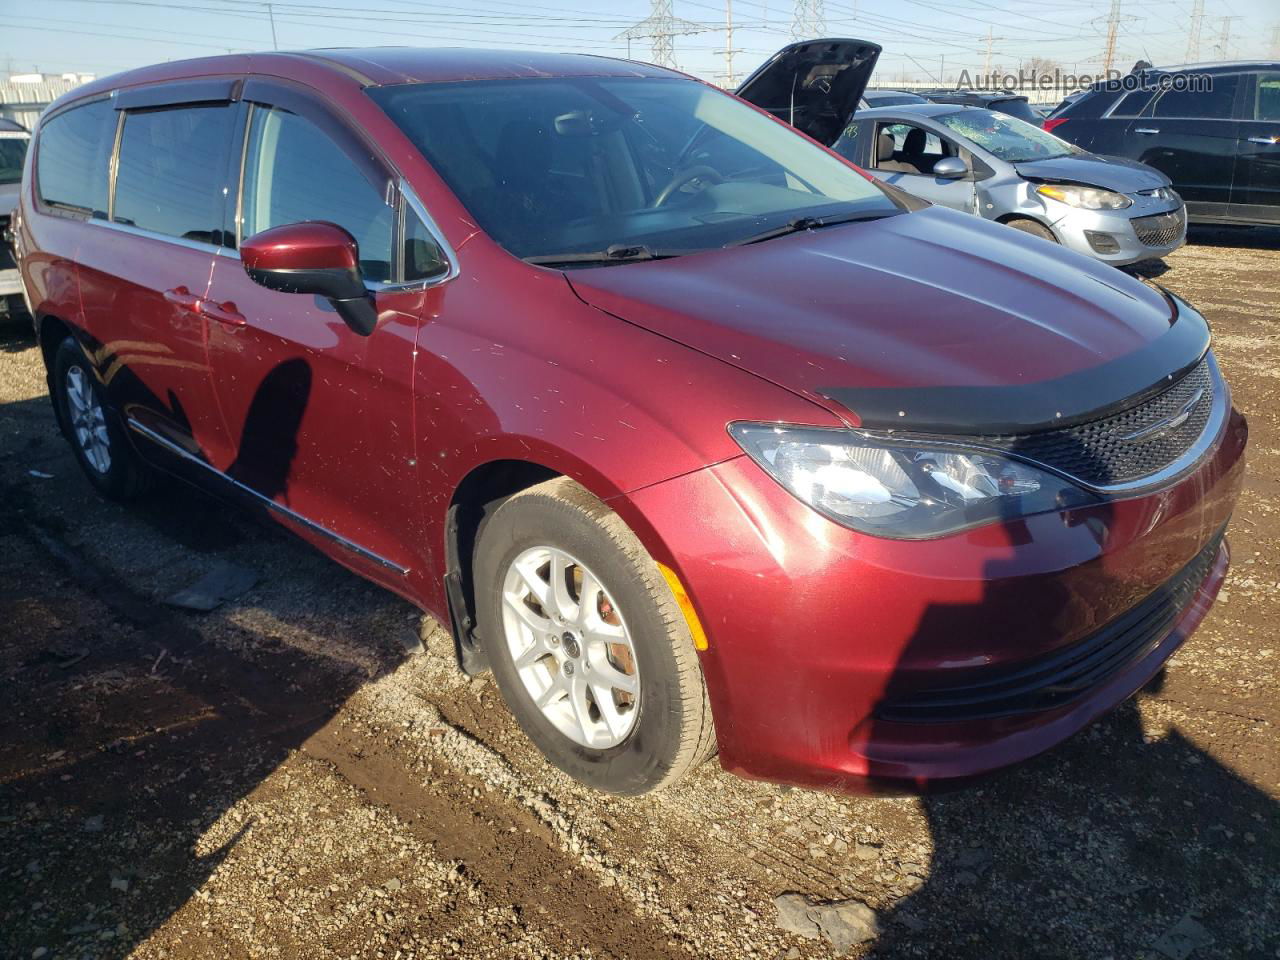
<point>1115,844</point>
<point>1246,238</point>
<point>126,732</point>
<point>15,334</point>
<point>1120,841</point>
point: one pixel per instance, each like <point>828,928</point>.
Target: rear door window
<point>73,157</point>
<point>172,172</point>
<point>294,172</point>
<point>1212,104</point>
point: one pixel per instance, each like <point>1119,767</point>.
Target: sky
<point>922,39</point>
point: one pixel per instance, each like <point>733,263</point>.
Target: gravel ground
<point>303,773</point>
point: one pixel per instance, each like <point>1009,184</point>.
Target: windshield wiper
<point>614,253</point>
<point>801,224</point>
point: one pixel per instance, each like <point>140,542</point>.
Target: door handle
<point>1147,130</point>
<point>182,297</point>
<point>1269,141</point>
<point>222,312</point>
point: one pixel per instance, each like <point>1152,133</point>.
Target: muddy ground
<point>292,776</point>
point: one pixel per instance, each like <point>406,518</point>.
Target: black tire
<point>126,476</point>
<point>1033,227</point>
<point>672,730</point>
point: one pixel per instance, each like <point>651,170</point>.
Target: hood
<point>814,85</point>
<point>934,321</point>
<point>1111,173</point>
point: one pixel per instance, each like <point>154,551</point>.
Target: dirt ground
<point>293,775</point>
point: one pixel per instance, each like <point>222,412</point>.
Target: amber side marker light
<point>686,607</point>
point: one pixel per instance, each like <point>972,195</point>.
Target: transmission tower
<point>1113,28</point>
<point>1193,35</point>
<point>810,20</point>
<point>661,27</point>
<point>1222,50</point>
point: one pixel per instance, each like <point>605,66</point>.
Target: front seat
<point>913,157</point>
<point>886,154</point>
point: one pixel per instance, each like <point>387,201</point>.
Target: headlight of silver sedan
<point>902,490</point>
<point>1087,198</point>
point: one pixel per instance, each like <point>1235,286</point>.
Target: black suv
<point>1001,101</point>
<point>1213,129</point>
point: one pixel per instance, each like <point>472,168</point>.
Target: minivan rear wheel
<point>93,428</point>
<point>588,646</point>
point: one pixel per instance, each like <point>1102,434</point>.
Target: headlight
<point>901,490</point>
<point>1087,198</point>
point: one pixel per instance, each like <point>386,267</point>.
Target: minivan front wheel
<point>588,646</point>
<point>92,428</point>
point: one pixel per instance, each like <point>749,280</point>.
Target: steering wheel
<point>682,177</point>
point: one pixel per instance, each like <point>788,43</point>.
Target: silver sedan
<point>1003,169</point>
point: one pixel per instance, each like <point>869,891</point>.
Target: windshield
<point>575,165</point>
<point>13,148</point>
<point>1007,138</point>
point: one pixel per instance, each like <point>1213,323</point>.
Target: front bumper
<point>814,629</point>
<point>1121,237</point>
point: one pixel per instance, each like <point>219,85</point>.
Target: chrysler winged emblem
<point>1171,422</point>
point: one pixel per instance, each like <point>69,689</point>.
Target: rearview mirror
<point>950,168</point>
<point>314,258</point>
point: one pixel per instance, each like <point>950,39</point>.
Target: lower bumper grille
<point>1162,229</point>
<point>1063,676</point>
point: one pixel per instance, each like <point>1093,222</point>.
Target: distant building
<point>24,95</point>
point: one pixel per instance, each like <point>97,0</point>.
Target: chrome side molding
<point>267,502</point>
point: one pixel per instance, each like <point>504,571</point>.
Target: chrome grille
<point>1162,229</point>
<point>1126,446</point>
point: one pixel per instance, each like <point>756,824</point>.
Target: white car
<point>13,151</point>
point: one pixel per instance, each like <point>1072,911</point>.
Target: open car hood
<point>814,85</point>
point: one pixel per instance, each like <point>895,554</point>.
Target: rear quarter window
<point>73,154</point>
<point>1091,105</point>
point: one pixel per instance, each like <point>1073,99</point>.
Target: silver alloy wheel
<point>571,647</point>
<point>87,420</point>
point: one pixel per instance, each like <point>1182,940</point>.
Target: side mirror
<point>950,168</point>
<point>314,258</point>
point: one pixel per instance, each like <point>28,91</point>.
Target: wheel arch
<point>482,484</point>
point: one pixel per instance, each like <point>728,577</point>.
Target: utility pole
<point>730,78</point>
<point>271,15</point>
<point>661,27</point>
<point>809,20</point>
<point>1193,35</point>
<point>986,61</point>
<point>1275,40</point>
<point>1223,49</point>
<point>1113,28</point>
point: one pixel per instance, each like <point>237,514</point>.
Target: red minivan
<point>694,435</point>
